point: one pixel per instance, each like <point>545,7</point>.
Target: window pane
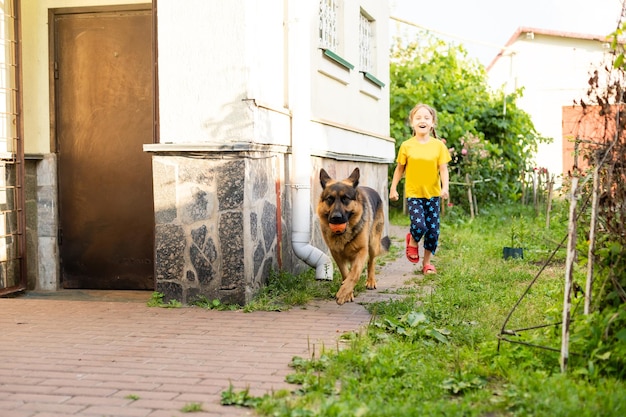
<point>328,25</point>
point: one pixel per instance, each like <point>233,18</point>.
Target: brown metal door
<point>104,98</point>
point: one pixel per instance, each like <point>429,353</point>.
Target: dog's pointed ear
<point>354,177</point>
<point>324,177</point>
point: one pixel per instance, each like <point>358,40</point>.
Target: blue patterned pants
<point>424,215</point>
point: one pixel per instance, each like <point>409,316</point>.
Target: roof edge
<point>547,32</point>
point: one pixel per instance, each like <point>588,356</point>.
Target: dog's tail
<point>385,243</point>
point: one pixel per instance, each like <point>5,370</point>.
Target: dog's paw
<point>370,284</point>
<point>344,296</point>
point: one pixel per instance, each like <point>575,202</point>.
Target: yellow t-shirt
<point>422,162</point>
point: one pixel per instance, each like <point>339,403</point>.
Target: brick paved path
<point>120,358</point>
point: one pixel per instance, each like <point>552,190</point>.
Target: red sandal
<point>412,252</point>
<point>429,269</point>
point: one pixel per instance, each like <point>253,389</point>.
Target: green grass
<point>437,354</point>
<point>284,291</point>
<point>192,408</point>
<point>157,300</point>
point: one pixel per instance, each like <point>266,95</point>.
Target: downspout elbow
<point>313,257</point>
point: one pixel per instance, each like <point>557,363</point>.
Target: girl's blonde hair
<point>432,112</point>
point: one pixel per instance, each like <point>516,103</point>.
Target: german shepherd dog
<point>352,221</point>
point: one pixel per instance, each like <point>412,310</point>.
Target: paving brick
<point>40,398</point>
<point>148,395</point>
<point>26,388</point>
<point>105,400</point>
<point>22,413</point>
<point>6,405</point>
<point>115,411</point>
<point>42,406</point>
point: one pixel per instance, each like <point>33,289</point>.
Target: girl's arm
<point>445,181</point>
<point>397,176</point>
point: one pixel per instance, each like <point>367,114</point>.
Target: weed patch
<point>157,300</point>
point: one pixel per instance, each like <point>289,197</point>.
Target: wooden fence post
<point>535,191</point>
<point>569,276</point>
<point>549,202</point>
<point>468,183</point>
<point>523,199</point>
<point>592,239</point>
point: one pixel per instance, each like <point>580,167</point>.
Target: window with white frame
<point>366,44</point>
<point>367,49</point>
<point>329,32</point>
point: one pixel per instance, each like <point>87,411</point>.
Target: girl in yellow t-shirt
<point>423,160</point>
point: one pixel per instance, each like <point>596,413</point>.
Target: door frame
<point>20,172</point>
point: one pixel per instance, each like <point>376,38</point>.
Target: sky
<point>482,26</point>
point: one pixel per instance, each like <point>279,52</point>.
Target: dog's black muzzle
<point>338,217</point>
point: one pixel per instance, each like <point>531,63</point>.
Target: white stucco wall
<point>204,77</point>
<point>553,72</point>
<point>35,67</point>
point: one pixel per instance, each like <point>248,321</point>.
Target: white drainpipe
<point>301,219</point>
<point>300,14</point>
<point>301,235</point>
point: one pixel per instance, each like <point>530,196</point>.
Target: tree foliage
<point>488,135</point>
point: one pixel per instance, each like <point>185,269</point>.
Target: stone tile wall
<point>216,235</point>
<point>40,197</point>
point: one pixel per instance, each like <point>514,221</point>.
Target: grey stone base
<point>216,234</point>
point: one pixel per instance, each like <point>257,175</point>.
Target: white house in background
<point>554,69</point>
<point>176,145</point>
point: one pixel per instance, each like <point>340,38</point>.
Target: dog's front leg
<point>370,284</point>
<point>346,291</point>
<point>344,268</point>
